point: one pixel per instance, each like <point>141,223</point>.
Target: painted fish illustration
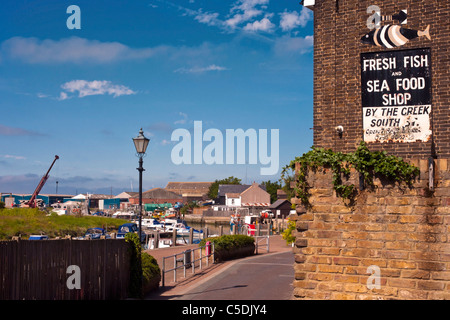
<point>401,17</point>
<point>392,36</point>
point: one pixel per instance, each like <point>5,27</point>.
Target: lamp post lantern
<point>140,143</point>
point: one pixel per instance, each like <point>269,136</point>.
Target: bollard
<point>208,248</point>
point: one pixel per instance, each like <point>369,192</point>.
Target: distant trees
<point>214,188</point>
<point>188,207</point>
<point>271,188</point>
<point>288,176</point>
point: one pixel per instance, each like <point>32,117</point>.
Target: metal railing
<point>186,259</point>
<point>262,241</point>
<point>257,231</point>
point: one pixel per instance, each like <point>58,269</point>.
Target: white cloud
<point>8,156</point>
<point>297,45</point>
<point>241,12</point>
<point>74,50</point>
<point>211,67</point>
<point>165,142</point>
<point>262,25</point>
<point>291,20</point>
<point>182,121</point>
<point>245,10</point>
<point>63,96</point>
<point>11,131</point>
<point>89,88</point>
<point>208,18</point>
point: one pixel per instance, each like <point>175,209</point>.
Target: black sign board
<point>396,95</point>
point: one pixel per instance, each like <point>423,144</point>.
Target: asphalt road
<point>268,277</point>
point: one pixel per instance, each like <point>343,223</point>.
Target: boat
<point>162,243</point>
<point>180,226</point>
<point>149,224</point>
<point>124,215</point>
<point>38,237</point>
<point>165,241</point>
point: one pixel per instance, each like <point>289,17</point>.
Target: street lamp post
<point>140,143</point>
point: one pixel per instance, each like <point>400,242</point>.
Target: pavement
<point>177,289</point>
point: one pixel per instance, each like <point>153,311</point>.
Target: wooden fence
<point>39,269</point>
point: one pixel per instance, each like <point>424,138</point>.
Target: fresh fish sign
<point>396,95</point>
<point>391,35</point>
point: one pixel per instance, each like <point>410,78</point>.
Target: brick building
<point>190,191</point>
<point>338,27</point>
<point>157,196</point>
<point>393,242</point>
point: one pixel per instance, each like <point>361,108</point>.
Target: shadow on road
<point>160,297</point>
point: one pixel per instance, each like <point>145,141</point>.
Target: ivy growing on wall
<point>368,163</point>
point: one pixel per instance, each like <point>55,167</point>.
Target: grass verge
<point>28,221</point>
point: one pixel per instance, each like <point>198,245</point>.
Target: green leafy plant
<point>229,242</point>
<point>144,268</point>
<point>214,188</point>
<point>150,271</point>
<point>228,247</point>
<point>369,164</point>
<point>288,233</point>
<point>135,288</point>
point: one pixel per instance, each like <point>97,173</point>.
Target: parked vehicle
<point>127,228</point>
<point>96,233</point>
<point>267,214</point>
<point>38,237</point>
<point>250,224</point>
<point>99,213</point>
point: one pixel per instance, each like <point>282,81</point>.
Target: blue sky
<point>83,94</point>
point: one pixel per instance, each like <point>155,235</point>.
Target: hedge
<point>145,273</point>
<point>228,247</point>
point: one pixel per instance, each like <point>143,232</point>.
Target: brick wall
<point>339,25</point>
<point>403,231</point>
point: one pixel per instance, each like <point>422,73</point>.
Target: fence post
<point>184,263</point>
<point>193,260</point>
<point>156,240</point>
<point>174,237</point>
<point>163,271</point>
<point>175,268</point>
<point>191,235</point>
